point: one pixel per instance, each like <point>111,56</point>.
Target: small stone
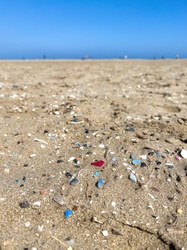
<point>24,204</point>
<point>74,181</point>
<point>60,161</point>
<point>151,153</point>
<point>179,211</point>
<point>143,164</point>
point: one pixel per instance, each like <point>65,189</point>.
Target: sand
<point>59,116</point>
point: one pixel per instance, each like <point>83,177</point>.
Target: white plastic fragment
<point>32,155</point>
<point>37,203</point>
<point>105,233</point>
<point>152,197</point>
<point>184,153</point>
<point>113,204</point>
<point>42,146</point>
<point>27,224</point>
<point>39,140</point>
<point>101,145</point>
<point>71,159</point>
<point>40,228</point>
<point>143,157</point>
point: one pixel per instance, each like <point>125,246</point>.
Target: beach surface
<point>127,116</point>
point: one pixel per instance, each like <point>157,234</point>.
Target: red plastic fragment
<point>98,163</point>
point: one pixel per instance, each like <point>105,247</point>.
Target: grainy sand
<point>123,109</point>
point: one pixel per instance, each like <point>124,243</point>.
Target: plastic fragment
<point>39,140</point>
<point>100,183</point>
<point>133,177</point>
<point>58,200</point>
<point>184,153</point>
<point>96,174</point>
<point>105,233</point>
<point>32,155</point>
<point>178,157</point>
<point>27,224</point>
<point>136,162</point>
<point>70,241</point>
<point>143,157</point>
<point>37,203</point>
<point>152,197</point>
<point>67,213</point>
<point>98,163</point>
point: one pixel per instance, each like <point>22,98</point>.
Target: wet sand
<point>57,117</point>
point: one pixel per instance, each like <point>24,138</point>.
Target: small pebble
<point>60,161</point>
<point>24,204</point>
<point>74,181</point>
<point>143,164</point>
<point>179,211</point>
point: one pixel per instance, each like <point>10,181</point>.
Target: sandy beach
<point>93,155</point>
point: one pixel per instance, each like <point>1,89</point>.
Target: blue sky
<point>97,28</point>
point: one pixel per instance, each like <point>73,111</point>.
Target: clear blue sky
<point>97,28</point>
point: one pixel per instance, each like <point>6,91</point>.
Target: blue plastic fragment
<point>96,174</point>
<point>136,162</point>
<point>78,144</point>
<point>74,119</point>
<point>132,156</point>
<point>86,131</point>
<point>100,183</point>
<point>170,166</point>
<point>159,155</point>
<point>133,177</point>
<point>113,159</point>
<point>67,213</point>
